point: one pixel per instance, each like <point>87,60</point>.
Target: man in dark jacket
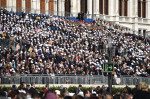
<point>142,92</point>
<point>32,90</point>
<point>79,89</point>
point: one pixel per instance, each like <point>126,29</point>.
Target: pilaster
<point>89,8</point>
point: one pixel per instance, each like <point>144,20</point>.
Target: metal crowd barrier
<point>70,79</point>
<point>43,79</point>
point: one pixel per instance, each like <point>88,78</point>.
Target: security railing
<point>43,79</point>
<point>70,79</point>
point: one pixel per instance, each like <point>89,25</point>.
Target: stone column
<point>135,15</point>
<point>78,5</point>
<point>148,33</point>
<point>23,5</point>
<point>74,8</point>
<point>10,5</point>
<point>46,7</point>
<point>62,7</point>
<point>59,7</point>
<point>89,8</point>
<point>148,10</point>
<point>130,8</point>
<point>116,13</point>
<point>96,8</point>
<point>33,6</point>
<point>55,7</point>
<point>141,8</point>
<point>13,5</point>
<point>38,6</point>
<point>141,31</point>
<point>111,7</point>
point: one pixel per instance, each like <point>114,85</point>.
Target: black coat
<point>33,91</point>
<point>78,90</point>
<point>141,95</point>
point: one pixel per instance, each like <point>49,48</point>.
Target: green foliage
<point>72,89</point>
<point>86,88</point>
<point>149,90</point>
<point>55,88</point>
<point>40,89</point>
<point>116,90</point>
<point>4,88</point>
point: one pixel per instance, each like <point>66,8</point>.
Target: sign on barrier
<point>108,67</point>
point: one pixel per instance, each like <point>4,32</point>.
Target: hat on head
<point>51,96</point>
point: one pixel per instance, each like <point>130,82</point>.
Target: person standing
<point>32,90</point>
<point>79,89</point>
<point>142,92</point>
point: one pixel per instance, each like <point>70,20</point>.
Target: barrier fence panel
<point>69,79</point>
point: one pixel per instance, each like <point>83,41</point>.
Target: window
<point>19,5</point>
<point>139,32</point>
<point>83,6</point>
<point>144,9</point>
<point>144,33</point>
<point>42,6</point>
<point>101,6</point>
<point>125,7</point>
<point>139,8</point>
<point>28,6</point>
<point>3,3</point>
<point>106,7</point>
<point>120,7</point>
<point>51,7</point>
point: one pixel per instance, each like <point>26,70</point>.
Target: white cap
<point>71,94</point>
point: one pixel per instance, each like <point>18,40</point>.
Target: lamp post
<point>110,48</point>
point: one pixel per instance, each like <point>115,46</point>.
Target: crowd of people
<point>54,45</point>
<point>31,92</point>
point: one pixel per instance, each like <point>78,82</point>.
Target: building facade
<point>134,14</point>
